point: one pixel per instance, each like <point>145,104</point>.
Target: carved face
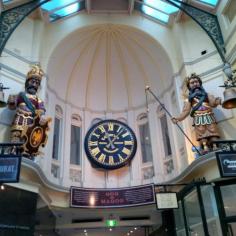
<point>194,84</point>
<point>32,85</point>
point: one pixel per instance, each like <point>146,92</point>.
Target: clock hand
<point>116,136</point>
<point>109,140</point>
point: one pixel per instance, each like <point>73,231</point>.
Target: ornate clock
<point>110,144</point>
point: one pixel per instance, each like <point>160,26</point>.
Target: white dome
<point>106,68</point>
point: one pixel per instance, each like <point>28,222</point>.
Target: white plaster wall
<point>183,44</point>
<point>57,31</point>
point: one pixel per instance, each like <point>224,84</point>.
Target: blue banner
<point>10,169</point>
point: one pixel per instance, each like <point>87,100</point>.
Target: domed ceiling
<point>106,68</point>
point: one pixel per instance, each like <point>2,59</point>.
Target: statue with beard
<point>28,105</point>
<point>199,106</point>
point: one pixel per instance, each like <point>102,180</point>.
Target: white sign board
<point>166,201</point>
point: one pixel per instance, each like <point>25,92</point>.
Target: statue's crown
<point>35,71</point>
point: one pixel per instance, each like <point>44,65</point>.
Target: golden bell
<point>229,98</point>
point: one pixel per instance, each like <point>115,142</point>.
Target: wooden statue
<point>29,125</point>
<point>199,106</point>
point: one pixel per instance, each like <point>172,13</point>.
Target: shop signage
<point>226,163</point>
<point>166,200</point>
<point>109,198</point>
<point>6,226</point>
<point>10,169</point>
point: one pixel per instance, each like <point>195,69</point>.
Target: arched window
<point>57,132</point>
<point>75,143</point>
<point>165,131</point>
<point>145,140</point>
<point>168,160</point>
<point>56,142</point>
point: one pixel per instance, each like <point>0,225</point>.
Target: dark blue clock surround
<point>100,136</point>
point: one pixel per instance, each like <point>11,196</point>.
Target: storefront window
<point>232,229</point>
<point>211,211</point>
<point>228,193</point>
<point>179,221</point>
<point>193,214</point>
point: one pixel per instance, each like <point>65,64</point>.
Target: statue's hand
<point>44,120</point>
<point>174,120</point>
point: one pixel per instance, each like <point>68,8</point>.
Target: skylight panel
<point>68,10</point>
<point>49,6</point>
<point>210,2</point>
<point>155,14</point>
<point>6,1</point>
<point>162,6</point>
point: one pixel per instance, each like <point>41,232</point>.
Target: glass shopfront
<point>207,209</point>
<point>226,194</point>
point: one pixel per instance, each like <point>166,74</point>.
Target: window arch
<point>145,139</point>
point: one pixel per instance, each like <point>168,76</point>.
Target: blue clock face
<point>110,144</point>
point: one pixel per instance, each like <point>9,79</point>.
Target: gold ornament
<point>35,72</point>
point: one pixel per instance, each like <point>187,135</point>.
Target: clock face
<point>110,144</point>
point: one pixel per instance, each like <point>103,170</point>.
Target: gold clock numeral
<point>128,142</point>
<point>93,143</point>
<point>102,158</point>
<point>126,151</point>
<point>95,151</point>
<point>121,159</point>
<point>110,126</point>
<point>102,129</point>
<point>111,160</point>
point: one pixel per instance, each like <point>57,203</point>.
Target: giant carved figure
<point>199,106</point>
<point>29,125</point>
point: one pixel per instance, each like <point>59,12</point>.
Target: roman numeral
<point>93,143</point>
<point>128,142</point>
<point>111,160</point>
<point>102,158</point>
<point>126,151</point>
<point>110,126</point>
<point>121,159</point>
<point>102,129</point>
<point>95,151</point>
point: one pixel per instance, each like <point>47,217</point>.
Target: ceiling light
<point>2,187</point>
